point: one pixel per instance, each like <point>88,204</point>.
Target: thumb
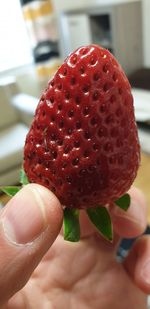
<point>29,225</point>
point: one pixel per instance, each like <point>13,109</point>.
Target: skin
<point>76,275</point>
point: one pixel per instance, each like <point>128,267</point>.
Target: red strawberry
<point>83,143</point>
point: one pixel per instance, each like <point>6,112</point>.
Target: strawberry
<point>83,143</point>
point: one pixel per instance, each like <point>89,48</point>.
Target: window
<point>15,49</point>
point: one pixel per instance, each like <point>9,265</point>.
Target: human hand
<point>70,275</point>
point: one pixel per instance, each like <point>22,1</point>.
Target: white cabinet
<point>75,31</point>
<point>117,27</point>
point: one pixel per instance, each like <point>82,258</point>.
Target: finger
<point>128,224</point>
<point>137,263</point>
<point>131,223</point>
<point>87,228</point>
<point>29,225</point>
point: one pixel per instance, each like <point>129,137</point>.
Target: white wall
<point>64,5</point>
<point>146,31</point>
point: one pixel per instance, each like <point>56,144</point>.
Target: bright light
<point>15,47</point>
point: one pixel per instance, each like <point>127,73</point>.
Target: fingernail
<point>134,214</point>
<point>25,217</point>
<point>145,272</point>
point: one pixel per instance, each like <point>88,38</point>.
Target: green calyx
<point>99,216</point>
<point>23,177</point>
<point>124,202</point>
<point>71,225</point>
<point>10,190</point>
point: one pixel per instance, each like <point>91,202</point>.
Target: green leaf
<point>10,190</point>
<point>71,225</point>
<point>100,217</point>
<point>23,177</point>
<point>124,202</point>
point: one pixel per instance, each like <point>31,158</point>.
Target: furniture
<point>18,100</point>
<point>12,134</point>
<point>140,78</point>
<point>140,82</point>
<point>116,25</point>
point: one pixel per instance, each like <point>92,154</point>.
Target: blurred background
<point>35,38</point>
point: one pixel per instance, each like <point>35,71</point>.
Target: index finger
<point>130,223</point>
